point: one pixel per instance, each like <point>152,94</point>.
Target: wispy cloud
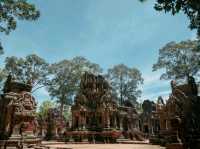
<point>154,87</point>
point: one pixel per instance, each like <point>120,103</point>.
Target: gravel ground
<point>103,146</point>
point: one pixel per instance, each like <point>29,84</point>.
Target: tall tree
<point>12,11</point>
<point>31,69</point>
<point>44,108</point>
<point>65,78</point>
<point>179,60</point>
<point>125,82</point>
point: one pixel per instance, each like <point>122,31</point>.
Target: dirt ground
<point>102,146</point>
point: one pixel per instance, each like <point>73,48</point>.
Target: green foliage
<point>32,69</point>
<point>65,78</point>
<point>125,82</point>
<point>44,109</point>
<point>179,60</point>
<point>2,78</point>
<point>67,113</point>
<point>12,11</point>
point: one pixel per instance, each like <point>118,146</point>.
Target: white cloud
<point>154,87</point>
<point>154,96</point>
<point>151,78</point>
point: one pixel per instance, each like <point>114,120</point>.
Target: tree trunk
<point>121,97</point>
<point>61,109</point>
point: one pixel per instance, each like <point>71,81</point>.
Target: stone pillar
<point>121,123</point>
<point>129,124</point>
<point>103,120</point>
<point>84,120</point>
<point>107,120</point>
<point>56,132</point>
<point>79,122</point>
<point>43,132</point>
<point>115,121</point>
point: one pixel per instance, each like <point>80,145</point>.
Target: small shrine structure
<point>96,116</point>
<point>17,115</point>
<point>179,118</point>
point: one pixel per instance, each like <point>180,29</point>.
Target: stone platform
<point>18,144</point>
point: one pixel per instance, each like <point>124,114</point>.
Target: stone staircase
<point>129,141</point>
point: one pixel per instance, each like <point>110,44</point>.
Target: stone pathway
<point>102,146</point>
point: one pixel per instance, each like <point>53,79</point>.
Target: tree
<point>44,117</point>
<point>179,60</point>
<point>65,79</point>
<point>32,69</point>
<point>125,82</point>
<point>191,8</point>
<point>2,77</point>
<point>44,109</point>
<point>12,11</point>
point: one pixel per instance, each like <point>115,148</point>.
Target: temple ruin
<point>96,116</point>
<point>179,118</point>
<point>17,115</point>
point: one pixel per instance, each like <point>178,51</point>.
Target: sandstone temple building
<point>17,115</point>
<point>96,116</point>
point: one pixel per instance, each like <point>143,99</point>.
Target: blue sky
<point>107,32</point>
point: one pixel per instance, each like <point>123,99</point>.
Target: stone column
<point>121,123</point>
<point>79,121</point>
<point>43,132</point>
<point>129,124</point>
<point>56,132</point>
<point>107,120</point>
<point>103,120</point>
<point>84,120</point>
<point>115,121</point>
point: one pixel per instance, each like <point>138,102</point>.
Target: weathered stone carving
<point>96,115</point>
<point>18,113</point>
<point>179,117</point>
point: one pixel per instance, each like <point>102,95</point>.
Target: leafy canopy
<point>12,11</point>
<point>32,68</point>
<point>44,109</point>
<point>125,82</point>
<point>65,78</point>
<point>2,77</point>
<point>179,60</point>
